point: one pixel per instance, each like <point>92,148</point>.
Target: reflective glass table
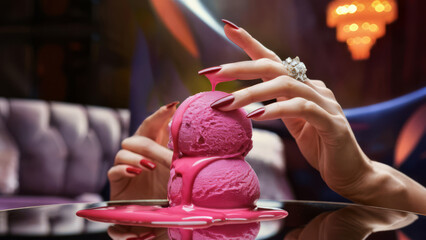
<point>306,220</point>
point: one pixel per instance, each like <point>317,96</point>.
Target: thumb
<point>154,125</point>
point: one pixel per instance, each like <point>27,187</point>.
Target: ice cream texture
<point>218,140</point>
<point>208,132</point>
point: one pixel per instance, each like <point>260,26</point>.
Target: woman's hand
<point>316,121</point>
<point>141,167</point>
<point>308,109</point>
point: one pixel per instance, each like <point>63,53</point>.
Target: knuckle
<point>145,143</point>
<point>300,101</point>
<point>264,61</point>
<point>125,142</point>
<point>335,105</point>
<point>148,120</point>
<point>309,106</point>
<point>267,65</point>
<point>286,84</point>
<point>120,154</point>
<point>341,126</point>
<point>250,94</point>
<point>270,53</point>
<point>328,92</point>
<point>109,174</point>
<point>320,83</point>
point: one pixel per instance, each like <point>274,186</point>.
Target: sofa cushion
<point>9,161</point>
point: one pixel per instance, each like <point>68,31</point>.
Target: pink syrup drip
<point>214,79</point>
<point>186,214</point>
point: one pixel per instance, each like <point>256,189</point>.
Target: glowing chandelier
<point>359,23</point>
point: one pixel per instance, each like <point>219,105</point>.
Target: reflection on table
<point>306,220</point>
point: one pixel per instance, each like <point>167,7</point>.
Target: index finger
<point>155,123</point>
<point>253,48</point>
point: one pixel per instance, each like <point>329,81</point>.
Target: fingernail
<point>210,70</point>
<point>148,164</point>
<point>222,102</point>
<point>256,113</point>
<point>172,104</point>
<point>230,23</point>
<point>136,171</point>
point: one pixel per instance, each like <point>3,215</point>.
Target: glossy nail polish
<point>210,70</point>
<point>136,171</point>
<point>222,102</point>
<point>148,164</point>
<point>230,23</point>
<point>172,104</point>
<point>256,113</point>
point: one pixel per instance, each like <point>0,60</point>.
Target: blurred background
<point>136,55</point>
<point>88,52</point>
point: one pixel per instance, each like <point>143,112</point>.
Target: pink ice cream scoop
<point>209,132</point>
<point>229,181</point>
<point>222,184</point>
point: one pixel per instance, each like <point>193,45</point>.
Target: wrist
<point>355,188</point>
<point>378,186</point>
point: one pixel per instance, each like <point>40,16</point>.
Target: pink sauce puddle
<point>186,214</point>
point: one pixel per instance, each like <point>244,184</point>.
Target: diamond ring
<point>295,69</point>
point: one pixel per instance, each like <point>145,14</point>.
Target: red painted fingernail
<point>222,102</point>
<point>210,70</point>
<point>148,164</point>
<point>256,113</point>
<point>172,104</point>
<point>230,23</point>
<point>136,171</point>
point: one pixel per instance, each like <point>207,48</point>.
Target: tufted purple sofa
<point>52,152</point>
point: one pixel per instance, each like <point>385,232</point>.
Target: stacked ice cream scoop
<point>228,181</point>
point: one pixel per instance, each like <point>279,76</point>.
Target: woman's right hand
<point>309,110</point>
<point>141,168</point>
<point>315,119</point>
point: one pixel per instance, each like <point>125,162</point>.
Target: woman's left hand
<point>141,168</point>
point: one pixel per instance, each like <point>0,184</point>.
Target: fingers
<point>320,87</point>
<point>253,48</point>
<point>141,151</point>
<point>133,159</point>
<point>145,146</point>
<point>264,68</point>
<point>279,87</point>
<point>157,122</point>
<point>129,164</point>
<point>119,172</point>
<point>298,108</point>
